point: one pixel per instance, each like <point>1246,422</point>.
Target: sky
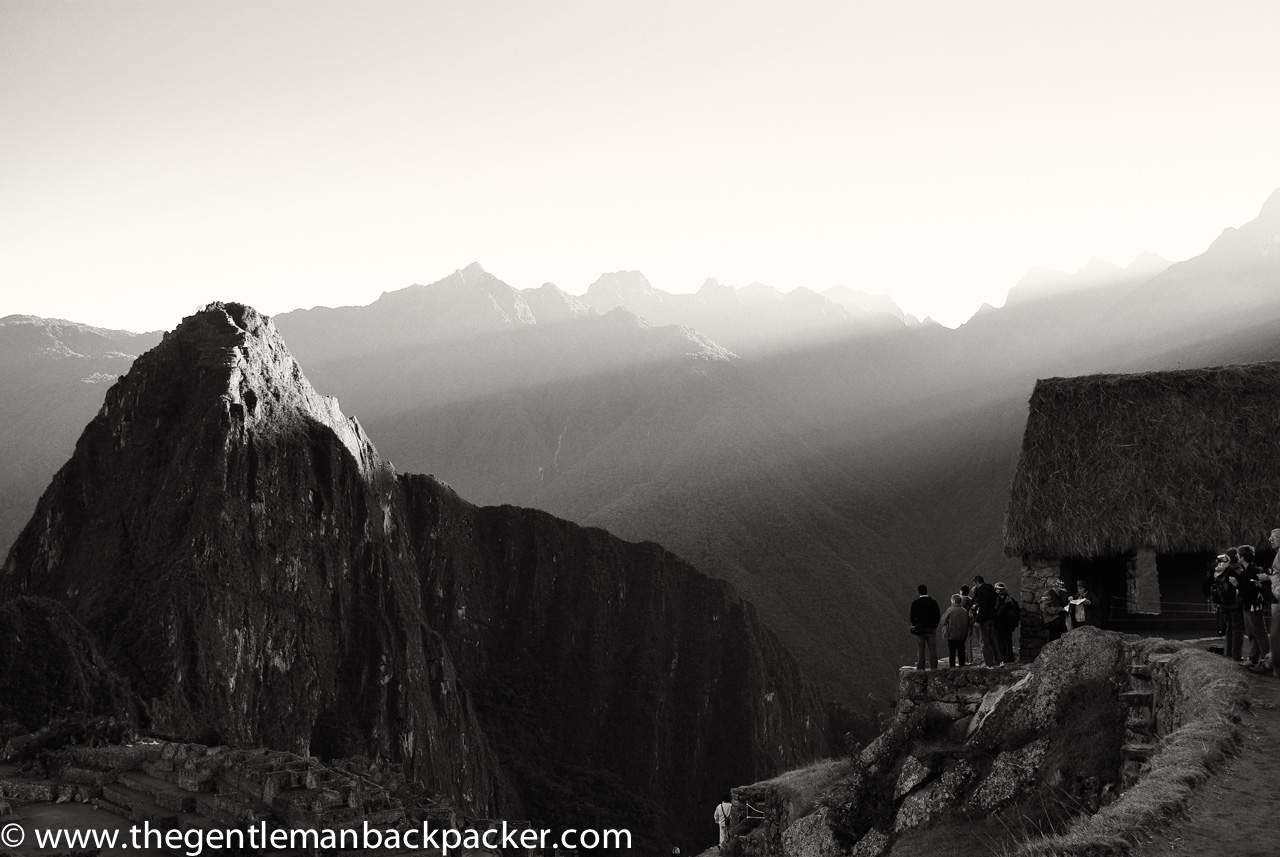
<point>155,156</point>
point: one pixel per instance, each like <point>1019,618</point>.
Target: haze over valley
<point>819,450</point>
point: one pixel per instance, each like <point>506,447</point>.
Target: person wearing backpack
<point>724,810</point>
<point>1008,615</point>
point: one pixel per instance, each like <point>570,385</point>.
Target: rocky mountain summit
<point>245,559</point>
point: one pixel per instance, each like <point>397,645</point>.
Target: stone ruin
<point>188,786</point>
<point>968,743</point>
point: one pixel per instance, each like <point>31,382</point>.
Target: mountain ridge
<point>246,559</point>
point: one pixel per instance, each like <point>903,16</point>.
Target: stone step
<point>125,796</point>
<point>1138,752</point>
<point>237,809</point>
<point>192,821</point>
<point>1141,720</point>
<point>165,794</point>
<point>1142,671</point>
<point>161,769</point>
<point>207,804</point>
<point>1138,698</point>
<point>1138,736</point>
<point>141,806</point>
<point>113,808</point>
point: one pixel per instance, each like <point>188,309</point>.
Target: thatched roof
<point>1171,461</point>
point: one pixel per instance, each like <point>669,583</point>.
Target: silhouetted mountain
<point>245,558</point>
<point>53,375</point>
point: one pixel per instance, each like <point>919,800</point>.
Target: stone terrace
<point>187,786</point>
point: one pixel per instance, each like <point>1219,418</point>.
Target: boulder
<point>1011,771</point>
<point>873,844</point>
<point>913,774</point>
<point>935,799</point>
<point>1031,706</point>
<point>811,837</point>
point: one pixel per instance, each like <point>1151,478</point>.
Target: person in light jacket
<point>722,819</point>
<point>955,623</point>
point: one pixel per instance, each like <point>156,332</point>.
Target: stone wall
<point>1036,576</point>
<point>955,691</point>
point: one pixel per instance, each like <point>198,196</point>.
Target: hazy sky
<point>155,156</point>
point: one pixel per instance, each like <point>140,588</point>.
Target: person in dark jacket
<point>1084,607</point>
<point>966,601</point>
<point>925,617</point>
<point>1273,586</point>
<point>1253,598</point>
<point>1008,615</point>
<point>1227,581</point>
<point>984,616</point>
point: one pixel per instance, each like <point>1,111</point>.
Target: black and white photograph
<point>531,428</point>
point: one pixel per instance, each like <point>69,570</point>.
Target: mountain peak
<point>231,354</point>
<point>863,303</point>
<point>1271,208</point>
<point>620,288</point>
<point>1146,262</point>
<point>712,292</point>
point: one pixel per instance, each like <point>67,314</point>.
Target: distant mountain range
<point>823,451</point>
<point>53,375</point>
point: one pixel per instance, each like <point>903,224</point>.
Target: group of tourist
<point>1240,590</point>
<point>989,611</point>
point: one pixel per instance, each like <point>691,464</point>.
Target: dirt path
<point>1236,813</point>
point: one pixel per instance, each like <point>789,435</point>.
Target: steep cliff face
<point>50,667</point>
<point>243,556</point>
<point>612,676</point>
<point>228,537</point>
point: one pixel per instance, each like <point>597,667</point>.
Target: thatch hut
<point>1135,482</point>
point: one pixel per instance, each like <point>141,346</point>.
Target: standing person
<point>1207,588</point>
<point>1084,607</point>
<point>966,601</point>
<point>1053,606</point>
<point>955,623</point>
<point>1275,597</point>
<point>984,614</point>
<point>1008,615</point>
<point>1227,594</point>
<point>1222,594</point>
<point>722,818</point>
<point>1252,600</point>
<point>925,617</point>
